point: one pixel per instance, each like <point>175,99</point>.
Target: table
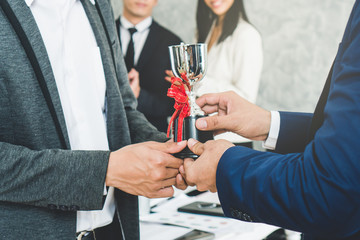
<point>166,223</point>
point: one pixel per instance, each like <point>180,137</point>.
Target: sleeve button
<point>74,208</point>
<point>52,207</point>
<point>63,208</point>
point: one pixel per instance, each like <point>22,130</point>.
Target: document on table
<point>155,231</point>
<point>224,228</point>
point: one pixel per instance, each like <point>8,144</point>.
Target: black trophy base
<point>190,131</point>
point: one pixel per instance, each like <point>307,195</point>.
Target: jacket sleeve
<point>294,128</point>
<point>315,191</point>
<point>33,177</point>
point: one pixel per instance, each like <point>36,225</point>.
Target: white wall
<point>300,42</point>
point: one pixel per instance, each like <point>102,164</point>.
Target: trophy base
<point>190,131</point>
<point>186,153</point>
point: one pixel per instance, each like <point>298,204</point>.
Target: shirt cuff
<point>270,142</point>
<point>105,190</point>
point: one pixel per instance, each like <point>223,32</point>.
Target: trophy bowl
<point>189,59</point>
<point>189,62</point>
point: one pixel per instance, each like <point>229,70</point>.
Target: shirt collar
<point>29,2</point>
<point>141,26</point>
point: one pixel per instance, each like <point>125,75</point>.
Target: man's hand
<point>234,114</point>
<point>202,172</point>
<point>146,169</point>
<point>134,81</point>
<point>180,181</point>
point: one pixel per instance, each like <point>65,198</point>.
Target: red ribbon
<point>182,107</point>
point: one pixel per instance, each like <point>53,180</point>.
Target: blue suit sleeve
<point>294,128</point>
<point>315,191</point>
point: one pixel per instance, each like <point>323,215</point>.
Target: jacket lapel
<point>117,22</point>
<point>28,24</point>
<point>112,71</point>
<point>150,45</point>
<point>101,39</point>
<point>127,204</point>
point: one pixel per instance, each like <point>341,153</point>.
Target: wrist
<point>109,178</point>
<point>266,124</point>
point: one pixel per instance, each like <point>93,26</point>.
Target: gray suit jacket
<point>42,185</point>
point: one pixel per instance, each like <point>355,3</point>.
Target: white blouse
<point>234,64</point>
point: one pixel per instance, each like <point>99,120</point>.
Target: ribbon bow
<point>182,107</point>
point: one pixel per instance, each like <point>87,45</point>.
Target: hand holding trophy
<point>188,63</point>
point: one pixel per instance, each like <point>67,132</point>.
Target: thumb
<point>211,123</point>
<point>195,146</point>
<point>169,146</point>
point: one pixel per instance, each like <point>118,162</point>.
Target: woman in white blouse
<point>235,54</point>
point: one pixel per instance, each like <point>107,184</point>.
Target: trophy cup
<point>188,63</point>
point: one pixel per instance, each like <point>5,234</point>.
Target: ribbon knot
<point>182,107</point>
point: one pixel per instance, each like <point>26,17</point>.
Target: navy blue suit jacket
<point>311,186</point>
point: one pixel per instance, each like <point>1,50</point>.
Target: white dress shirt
<point>77,66</point>
<point>234,64</point>
<point>139,37</point>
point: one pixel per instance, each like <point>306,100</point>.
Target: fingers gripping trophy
<point>188,63</point>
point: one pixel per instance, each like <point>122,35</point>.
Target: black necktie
<point>129,58</point>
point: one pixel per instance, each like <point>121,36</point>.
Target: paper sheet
<point>196,221</point>
<point>224,228</point>
<point>155,231</point>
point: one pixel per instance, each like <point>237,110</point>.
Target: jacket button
<point>52,206</point>
<point>74,208</point>
<point>63,208</point>
<point>234,213</point>
<point>247,218</point>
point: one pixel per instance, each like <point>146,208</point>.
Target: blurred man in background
<point>145,46</point>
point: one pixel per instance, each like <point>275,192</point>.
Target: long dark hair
<point>205,18</point>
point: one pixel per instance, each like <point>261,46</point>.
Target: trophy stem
<point>194,108</point>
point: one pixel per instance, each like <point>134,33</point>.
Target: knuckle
<point>215,121</point>
<point>209,144</point>
<point>200,188</point>
<point>190,179</point>
<point>155,187</point>
<point>157,175</point>
<point>196,147</point>
<point>173,181</point>
<point>158,162</point>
